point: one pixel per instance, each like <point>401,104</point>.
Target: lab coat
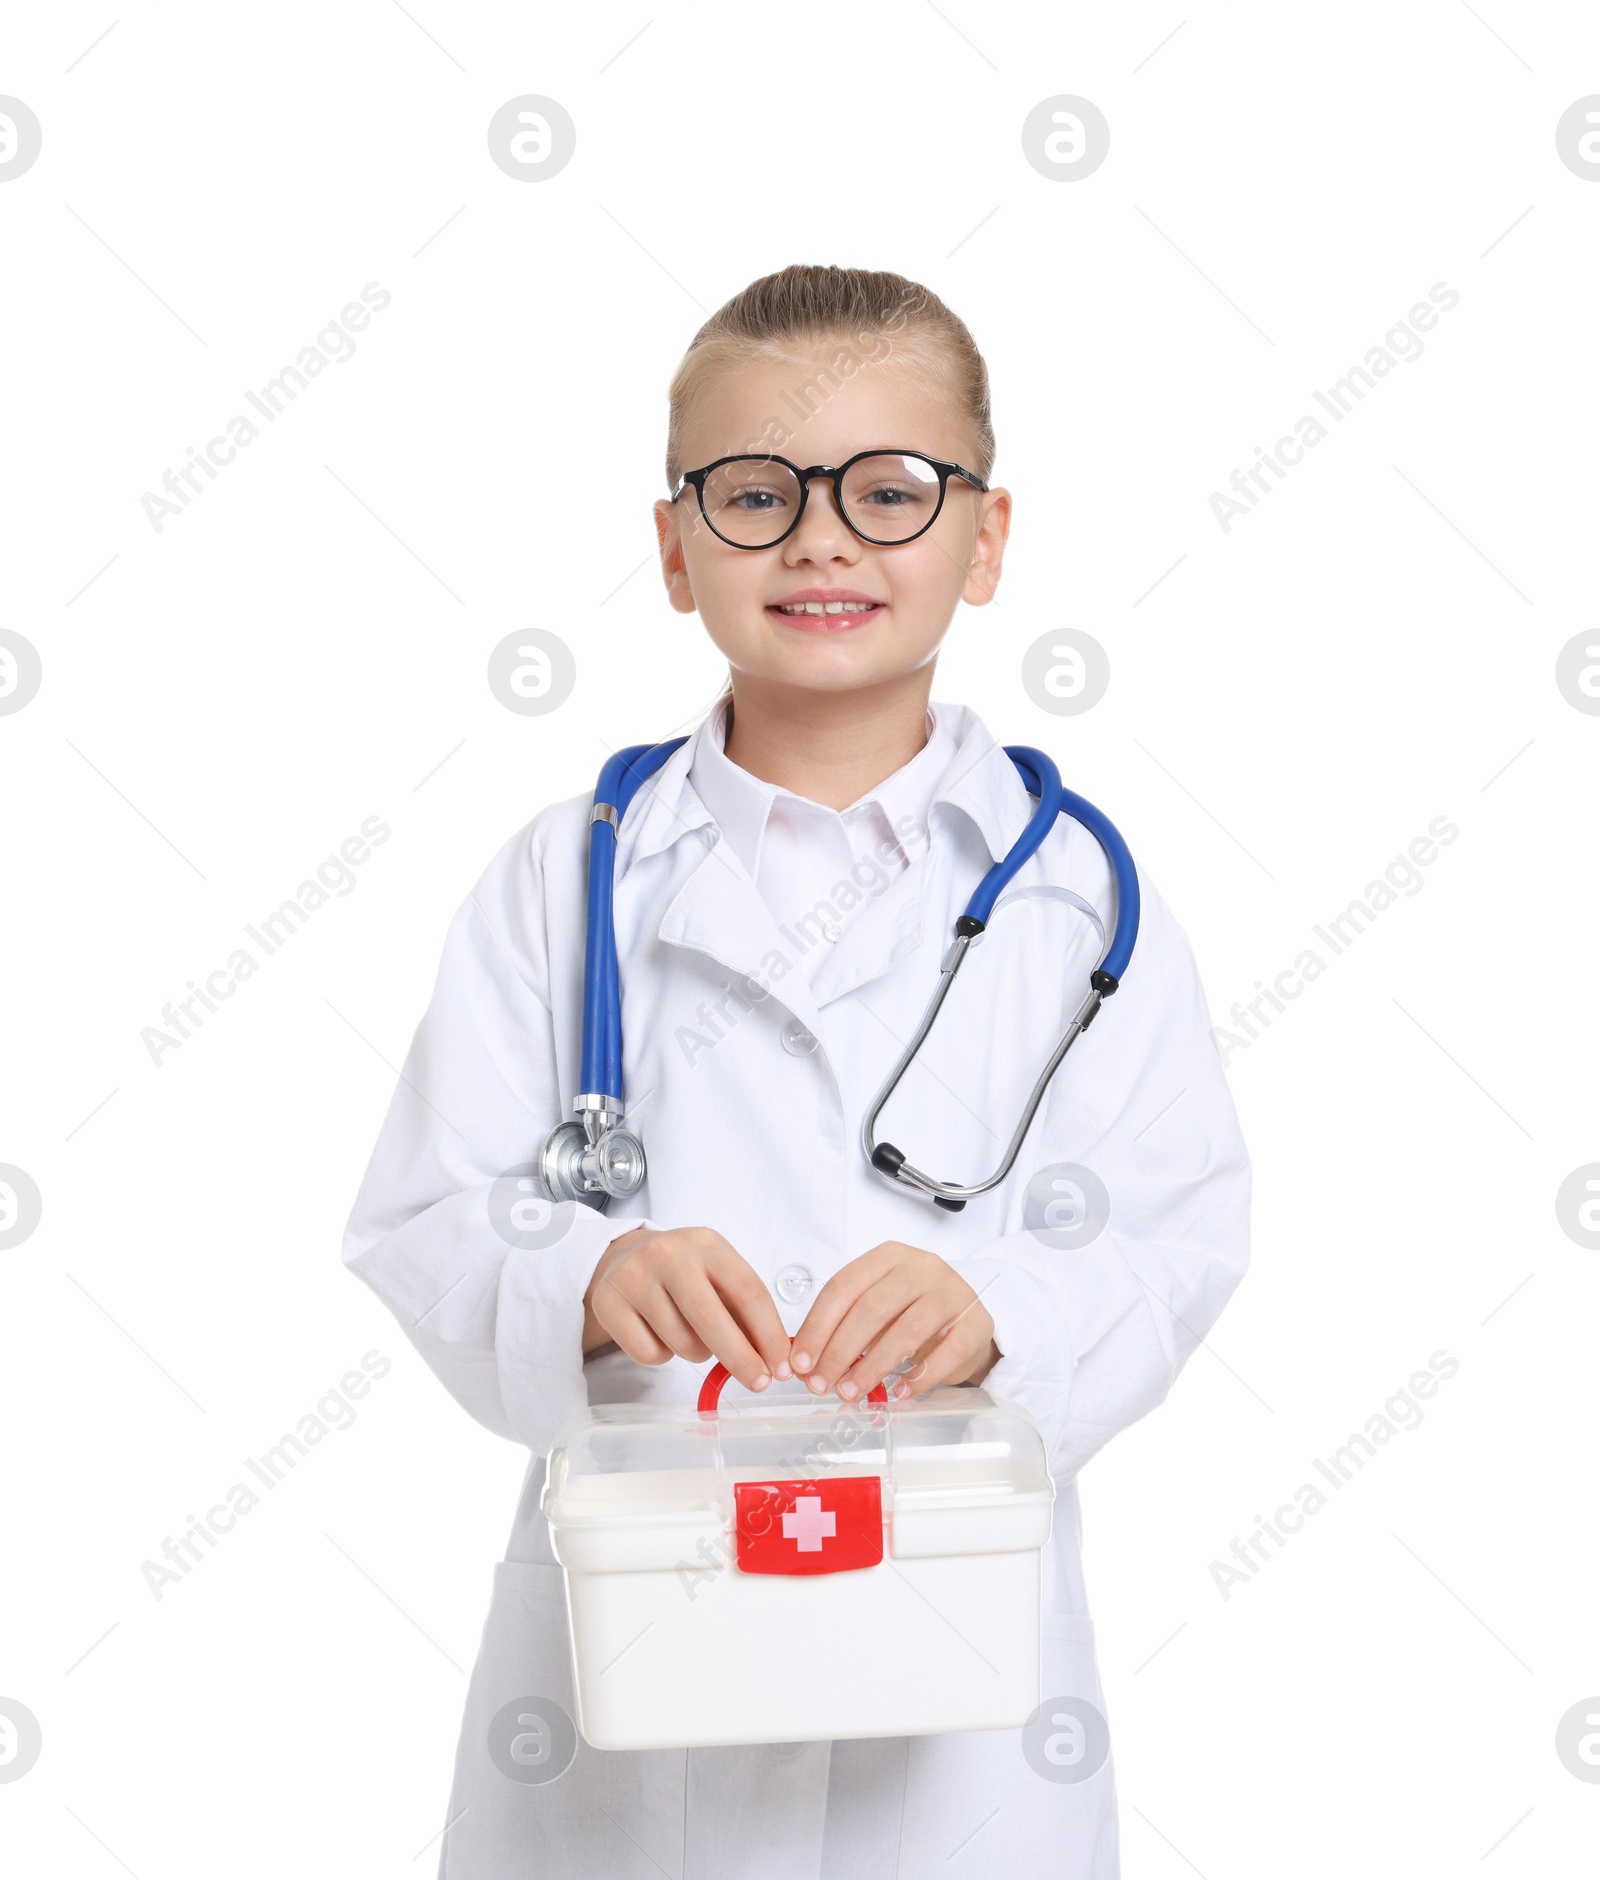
<point>747,1078</point>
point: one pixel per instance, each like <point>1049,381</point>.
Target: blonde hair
<point>873,316</point>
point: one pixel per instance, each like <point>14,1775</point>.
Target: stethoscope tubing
<point>1115,961</point>
<point>1043,780</point>
<point>601,1092</point>
<point>621,777</point>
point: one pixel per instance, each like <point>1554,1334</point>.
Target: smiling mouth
<point>845,613</point>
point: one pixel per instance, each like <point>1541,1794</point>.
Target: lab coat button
<point>797,1040</point>
<point>793,1283</point>
<point>832,930</point>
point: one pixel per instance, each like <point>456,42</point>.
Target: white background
<point>226,700</point>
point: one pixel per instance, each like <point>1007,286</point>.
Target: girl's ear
<point>674,573</point>
<point>988,549</point>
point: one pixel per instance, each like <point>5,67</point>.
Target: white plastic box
<point>786,1568</point>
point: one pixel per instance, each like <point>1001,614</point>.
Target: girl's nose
<point>822,531</point>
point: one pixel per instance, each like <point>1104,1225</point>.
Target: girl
<point>786,888</point>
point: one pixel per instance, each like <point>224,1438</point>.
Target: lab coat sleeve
<point>500,1323</point>
<point>1092,1338</point>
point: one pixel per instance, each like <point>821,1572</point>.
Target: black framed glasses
<point>885,496</point>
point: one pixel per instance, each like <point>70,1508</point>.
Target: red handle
<point>719,1374</point>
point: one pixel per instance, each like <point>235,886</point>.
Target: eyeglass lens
<point>887,498</point>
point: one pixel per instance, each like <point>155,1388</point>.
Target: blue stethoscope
<point>594,1158</point>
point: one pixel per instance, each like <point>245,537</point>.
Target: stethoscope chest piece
<point>573,1168</point>
<point>594,1159</point>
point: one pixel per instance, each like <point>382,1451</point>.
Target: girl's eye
<point>755,502</point>
<point>887,496</point>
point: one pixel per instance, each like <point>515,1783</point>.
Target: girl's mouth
<point>824,612</point>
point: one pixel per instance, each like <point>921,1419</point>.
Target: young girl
<point>787,886</point>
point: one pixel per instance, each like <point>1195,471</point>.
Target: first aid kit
<point>783,1568</point>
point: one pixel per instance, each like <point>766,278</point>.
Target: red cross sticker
<point>828,1526</point>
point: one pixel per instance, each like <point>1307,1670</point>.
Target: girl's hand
<point>685,1291</point>
<point>893,1305</point>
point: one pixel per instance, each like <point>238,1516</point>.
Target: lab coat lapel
<point>990,795</point>
<point>989,791</point>
<point>719,911</point>
<point>887,929</point>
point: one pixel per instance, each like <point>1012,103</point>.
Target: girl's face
<point>911,589</point>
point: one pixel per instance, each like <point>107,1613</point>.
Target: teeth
<point>827,607</point>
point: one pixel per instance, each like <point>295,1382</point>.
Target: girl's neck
<point>831,747</point>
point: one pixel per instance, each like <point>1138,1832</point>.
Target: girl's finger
<point>952,1357</point>
<point>916,1366</point>
<point>629,1327</point>
<point>660,1312</point>
<point>917,1330</point>
<point>829,1307</point>
<point>880,1305</point>
<point>701,1305</point>
<point>751,1305</point>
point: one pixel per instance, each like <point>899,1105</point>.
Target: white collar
<point>978,779</point>
<point>741,803</point>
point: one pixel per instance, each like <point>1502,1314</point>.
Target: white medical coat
<point>747,1086</point>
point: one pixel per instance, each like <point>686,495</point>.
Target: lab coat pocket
<point>530,1795</point>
